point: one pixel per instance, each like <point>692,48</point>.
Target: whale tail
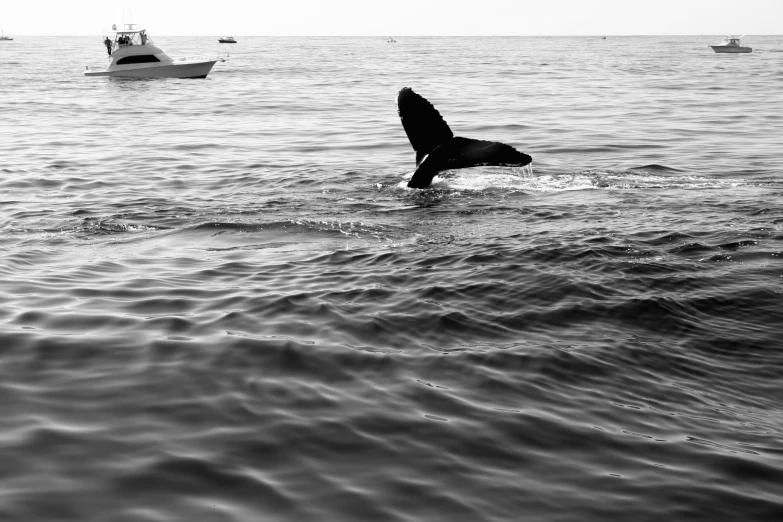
<point>438,149</point>
<point>422,122</point>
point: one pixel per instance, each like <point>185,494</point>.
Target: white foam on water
<point>523,179</point>
<point>511,178</point>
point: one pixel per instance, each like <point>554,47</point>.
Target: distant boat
<point>391,40</point>
<point>227,39</point>
<point>731,44</point>
<point>3,36</point>
<point>134,55</point>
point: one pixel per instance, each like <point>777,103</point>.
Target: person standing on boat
<point>107,43</point>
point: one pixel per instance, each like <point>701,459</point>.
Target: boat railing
<point>220,57</point>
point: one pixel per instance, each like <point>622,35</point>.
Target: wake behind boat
<point>731,44</point>
<point>134,55</point>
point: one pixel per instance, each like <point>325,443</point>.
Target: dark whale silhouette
<point>438,149</point>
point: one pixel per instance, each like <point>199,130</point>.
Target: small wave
<point>108,227</point>
<point>656,167</point>
<point>310,227</point>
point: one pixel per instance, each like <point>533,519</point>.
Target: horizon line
<point>407,35</point>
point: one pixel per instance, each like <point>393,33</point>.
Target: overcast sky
<point>395,17</point>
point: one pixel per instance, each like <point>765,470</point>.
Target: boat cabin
<point>133,46</point>
<point>732,41</point>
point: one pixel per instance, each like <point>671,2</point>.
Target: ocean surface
<point>219,301</point>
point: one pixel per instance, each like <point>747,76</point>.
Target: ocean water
<point>221,303</point>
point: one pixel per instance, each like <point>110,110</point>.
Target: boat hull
<point>227,41</point>
<point>731,49</point>
<point>178,70</point>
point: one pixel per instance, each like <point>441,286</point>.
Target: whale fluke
<point>422,123</point>
<point>438,149</point>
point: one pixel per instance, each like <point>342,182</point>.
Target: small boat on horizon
<point>731,44</point>
<point>3,36</point>
<point>134,55</point>
<point>227,39</point>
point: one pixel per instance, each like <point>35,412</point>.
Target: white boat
<point>134,55</point>
<point>3,36</point>
<point>227,39</point>
<point>731,44</point>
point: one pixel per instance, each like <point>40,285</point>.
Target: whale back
<point>423,124</point>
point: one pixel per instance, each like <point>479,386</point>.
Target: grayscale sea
<point>219,301</point>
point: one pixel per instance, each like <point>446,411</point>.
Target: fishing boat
<point>227,39</point>
<point>731,44</point>
<point>133,54</point>
<point>3,36</point>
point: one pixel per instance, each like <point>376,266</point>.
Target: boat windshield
<point>732,40</point>
<point>127,38</point>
